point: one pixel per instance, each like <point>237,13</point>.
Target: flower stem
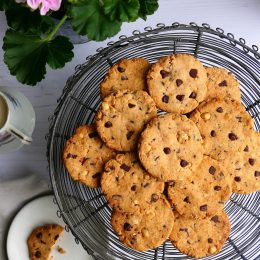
<point>56,28</point>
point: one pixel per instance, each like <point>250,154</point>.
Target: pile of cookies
<point>170,143</point>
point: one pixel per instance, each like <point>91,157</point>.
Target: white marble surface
<point>23,174</point>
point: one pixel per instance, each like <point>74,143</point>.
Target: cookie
<point>246,167</point>
<point>170,148</point>
<point>221,82</point>
<point>206,194</point>
<point>144,229</point>
<point>127,186</point>
<point>128,74</point>
<point>224,125</point>
<point>122,116</point>
<point>42,239</point>
<point>200,237</point>
<point>177,83</point>
<point>85,155</point>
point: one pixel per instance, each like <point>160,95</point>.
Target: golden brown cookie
<point>144,229</point>
<point>85,155</point>
<point>128,74</point>
<point>177,83</point>
<point>127,186</point>
<point>170,148</point>
<point>200,237</point>
<point>221,82</point>
<point>122,116</point>
<point>206,194</point>
<point>42,239</point>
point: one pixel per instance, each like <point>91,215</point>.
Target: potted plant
<point>31,43</point>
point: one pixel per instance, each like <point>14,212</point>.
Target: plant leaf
<point>147,7</point>
<point>6,4</point>
<point>88,18</point>
<point>23,19</point>
<point>123,11</point>
<point>26,56</point>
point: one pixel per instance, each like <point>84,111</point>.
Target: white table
<point>23,174</point>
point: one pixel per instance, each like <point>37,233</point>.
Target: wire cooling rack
<point>85,211</point>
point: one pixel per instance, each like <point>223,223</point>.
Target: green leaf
<point>124,11</point>
<point>25,20</point>
<point>88,18</point>
<point>147,7</point>
<point>6,4</point>
<point>26,56</point>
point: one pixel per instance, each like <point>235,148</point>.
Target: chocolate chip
<point>214,219</point>
<point>129,135</point>
<point>92,135</point>
<point>120,69</point>
<point>38,254</point>
<point>257,173</point>
<point>219,110</point>
<point>251,161</point>
<point>183,163</point>
<point>204,207</point>
<point>212,170</point>
<point>213,133</point>
<point>96,175</point>
<point>217,188</point>
<point>133,188</point>
<point>108,124</point>
<point>73,156</point>
<point>56,237</point>
<point>178,82</point>
<point>164,73</point>
<point>124,78</point>
<point>83,160</point>
<point>127,226</point>
<point>210,240</point>
<point>42,242</point>
<point>186,199</point>
<point>133,240</point>
<point>154,197</point>
<point>167,150</point>
<point>39,235</point>
<point>193,73</point>
<point>232,137</point>
<point>246,149</point>
<point>146,185</point>
<point>165,99</point>
<point>180,97</point>
<point>237,179</point>
<point>130,105</point>
<point>125,167</point>
<point>171,183</point>
<point>239,119</point>
<point>223,83</point>
<point>193,95</point>
<point>183,229</point>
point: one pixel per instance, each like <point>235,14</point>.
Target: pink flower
<point>45,5</point>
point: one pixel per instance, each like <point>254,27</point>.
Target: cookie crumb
<point>61,250</point>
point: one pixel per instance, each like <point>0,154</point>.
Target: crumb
<point>61,250</point>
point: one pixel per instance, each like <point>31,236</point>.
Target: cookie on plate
<point>144,229</point>
<point>200,237</point>
<point>221,82</point>
<point>206,194</point>
<point>224,125</point>
<point>177,83</point>
<point>127,186</point>
<point>170,148</point>
<point>42,239</point>
<point>85,154</point>
<point>122,116</point>
<point>128,74</point>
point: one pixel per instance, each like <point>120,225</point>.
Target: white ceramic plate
<point>36,213</point>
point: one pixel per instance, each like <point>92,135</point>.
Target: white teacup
<point>17,120</point>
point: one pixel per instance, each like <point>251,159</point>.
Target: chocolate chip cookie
<point>200,237</point>
<point>144,229</point>
<point>127,186</point>
<point>128,74</point>
<point>177,83</point>
<point>42,239</point>
<point>122,116</point>
<point>221,82</point>
<point>206,194</point>
<point>85,155</point>
<point>170,148</point>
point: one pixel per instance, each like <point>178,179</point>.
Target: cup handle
<point>20,135</point>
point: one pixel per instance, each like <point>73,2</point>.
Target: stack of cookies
<point>169,175</point>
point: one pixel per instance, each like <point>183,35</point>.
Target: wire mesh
<point>84,210</point>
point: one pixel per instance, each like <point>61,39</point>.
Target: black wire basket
<point>84,210</point>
